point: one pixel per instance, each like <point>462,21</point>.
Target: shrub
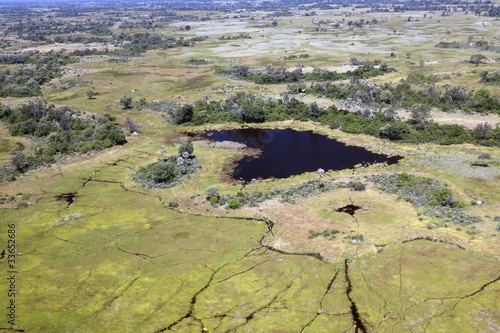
<point>22,204</point>
<point>356,186</point>
<point>234,204</point>
<point>484,156</point>
<point>239,194</point>
<point>214,200</point>
<point>10,198</point>
<point>173,204</point>
<point>212,191</point>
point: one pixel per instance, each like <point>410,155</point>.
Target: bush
<point>214,200</point>
<point>22,204</point>
<point>173,204</point>
<point>212,191</point>
<point>234,204</point>
<point>356,186</point>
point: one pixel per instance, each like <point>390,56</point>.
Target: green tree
<point>386,96</point>
<point>186,147</point>
<point>126,102</point>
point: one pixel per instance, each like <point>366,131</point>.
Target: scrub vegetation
<point>127,221</point>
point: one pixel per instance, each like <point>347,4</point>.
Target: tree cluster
<point>59,131</point>
<point>250,108</point>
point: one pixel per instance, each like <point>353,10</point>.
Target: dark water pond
<point>288,152</point>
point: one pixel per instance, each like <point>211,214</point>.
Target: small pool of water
<point>288,152</point>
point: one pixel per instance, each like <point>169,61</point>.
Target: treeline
<point>26,81</point>
<point>41,29</point>
<point>57,131</point>
<point>404,95</point>
<point>250,108</point>
<point>133,45</point>
<point>274,75</point>
<point>479,45</point>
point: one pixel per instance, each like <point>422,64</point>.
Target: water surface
<point>286,152</point>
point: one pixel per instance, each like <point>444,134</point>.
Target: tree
<point>18,162</point>
<point>420,113</point>
<point>482,130</point>
<point>204,98</point>
<point>386,96</point>
<point>321,174</point>
<point>186,147</point>
<point>242,71</point>
<point>396,131</point>
<point>131,125</point>
<point>183,115</point>
<point>91,94</point>
<point>476,59</point>
<point>187,27</point>
<point>254,181</point>
<point>126,102</point>
<point>163,172</point>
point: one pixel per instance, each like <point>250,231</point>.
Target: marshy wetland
<point>124,222</point>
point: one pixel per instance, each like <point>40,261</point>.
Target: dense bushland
<point>271,74</point>
<point>251,108</point>
<point>57,131</point>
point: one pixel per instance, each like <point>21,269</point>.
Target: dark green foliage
<point>18,162</point>
<point>446,98</point>
<point>354,238</point>
<point>272,75</point>
<point>183,114</point>
<point>163,172</point>
<point>126,102</point>
<point>376,124</point>
<point>58,131</point>
<point>186,146</point>
<point>234,204</point>
<point>420,79</point>
<point>492,78</point>
<point>23,81</point>
<point>166,172</point>
<point>330,235</point>
<point>435,198</point>
<point>173,204</point>
<point>356,186</point>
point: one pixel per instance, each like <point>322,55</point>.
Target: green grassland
<point>116,257</point>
